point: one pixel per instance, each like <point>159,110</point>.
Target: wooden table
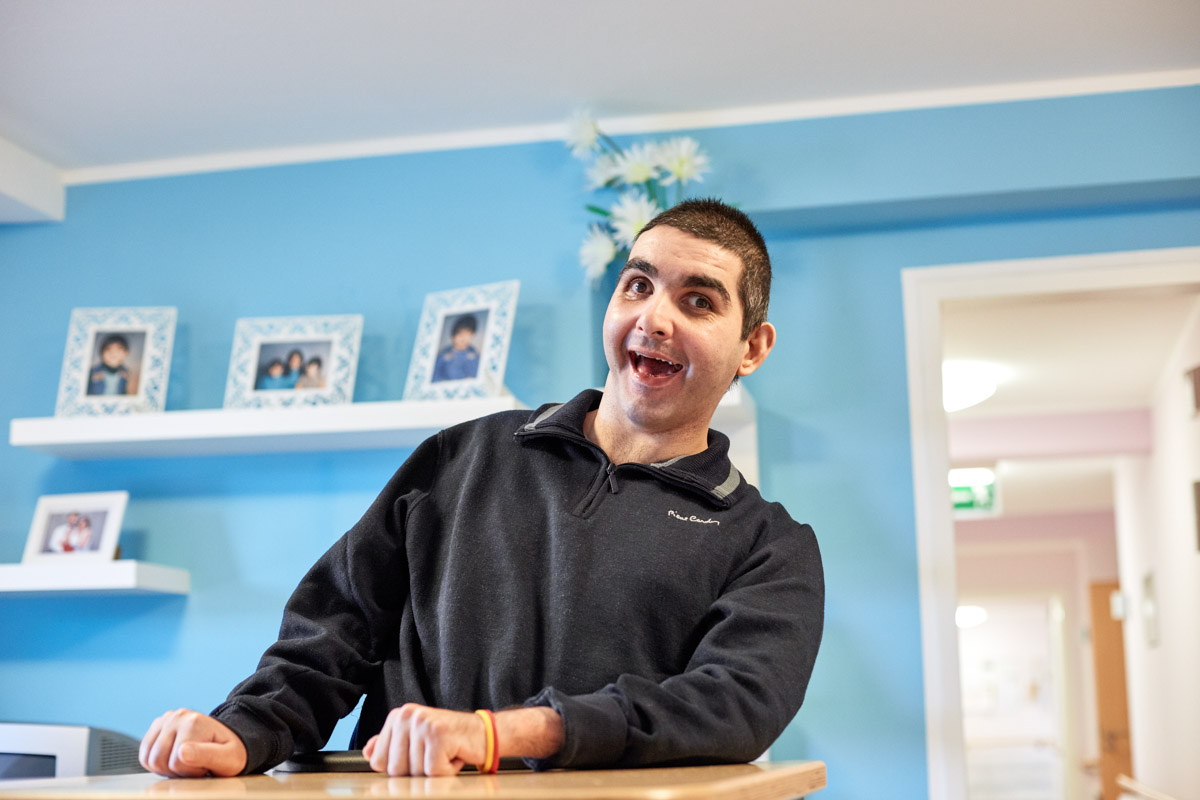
<point>758,781</point>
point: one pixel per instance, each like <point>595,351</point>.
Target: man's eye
<point>699,301</point>
<point>639,285</point>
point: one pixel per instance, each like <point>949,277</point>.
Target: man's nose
<point>656,318</point>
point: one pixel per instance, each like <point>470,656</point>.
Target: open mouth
<point>651,367</point>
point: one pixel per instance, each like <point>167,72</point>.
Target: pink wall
<point>1096,530</point>
<point>1050,435</point>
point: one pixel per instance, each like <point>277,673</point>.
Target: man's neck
<point>627,444</point>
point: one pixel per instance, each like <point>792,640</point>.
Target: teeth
<point>639,358</point>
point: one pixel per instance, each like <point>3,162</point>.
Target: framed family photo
<point>117,361</point>
<point>75,528</point>
<point>279,362</point>
<point>462,343</point>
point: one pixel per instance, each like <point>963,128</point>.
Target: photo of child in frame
<point>458,356</point>
<point>292,365</point>
<point>116,362</point>
<point>74,532</point>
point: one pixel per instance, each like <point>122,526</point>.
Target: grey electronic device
<point>33,750</point>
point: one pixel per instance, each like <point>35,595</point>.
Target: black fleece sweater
<point>666,611</point>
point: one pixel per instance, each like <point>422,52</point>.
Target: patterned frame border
<point>157,323</point>
<point>500,300</point>
<point>113,503</point>
<point>345,334</point>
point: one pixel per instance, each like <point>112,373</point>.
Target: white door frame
<point>924,290</point>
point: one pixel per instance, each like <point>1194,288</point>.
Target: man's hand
<point>419,740</point>
<point>188,744</point>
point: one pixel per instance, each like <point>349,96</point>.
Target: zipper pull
<point>612,478</point>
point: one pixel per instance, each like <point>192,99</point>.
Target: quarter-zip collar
<point>709,472</point>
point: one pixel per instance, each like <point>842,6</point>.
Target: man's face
<point>275,370</point>
<point>113,355</point>
<point>672,333</point>
<point>462,338</point>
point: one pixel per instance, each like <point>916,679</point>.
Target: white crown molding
<point>716,118</point>
<point>31,190</point>
<point>903,101</point>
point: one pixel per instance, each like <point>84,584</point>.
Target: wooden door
<point>1108,651</point>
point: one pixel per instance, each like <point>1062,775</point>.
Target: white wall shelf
<point>121,577</point>
<point>351,426</point>
<point>737,418</point>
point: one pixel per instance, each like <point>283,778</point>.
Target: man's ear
<point>758,345</point>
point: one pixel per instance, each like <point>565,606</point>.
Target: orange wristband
<point>491,759</point>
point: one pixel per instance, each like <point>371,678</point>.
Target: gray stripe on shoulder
<point>545,415</point>
<point>731,483</point>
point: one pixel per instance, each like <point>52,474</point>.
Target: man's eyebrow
<point>642,265</point>
<point>691,282</point>
<point>705,282</point>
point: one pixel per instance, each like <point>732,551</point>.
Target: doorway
<point>925,291</point>
<point>1011,656</point>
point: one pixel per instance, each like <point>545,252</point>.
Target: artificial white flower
<point>582,132</point>
<point>638,164</point>
<point>682,160</point>
<point>630,214</point>
<point>642,171</point>
<point>596,253</point>
<point>603,171</point>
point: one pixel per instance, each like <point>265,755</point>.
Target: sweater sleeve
<point>333,631</point>
<point>745,680</point>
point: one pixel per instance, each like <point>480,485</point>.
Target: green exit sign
<point>974,498</point>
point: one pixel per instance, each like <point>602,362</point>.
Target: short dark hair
<point>314,360</point>
<point>114,338</point>
<point>715,221</point>
<point>464,323</point>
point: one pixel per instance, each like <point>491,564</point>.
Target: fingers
<point>397,751</point>
<point>220,759</point>
<point>418,740</point>
<point>149,739</point>
<point>187,744</point>
<point>159,752</point>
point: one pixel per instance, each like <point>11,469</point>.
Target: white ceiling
<point>84,84</point>
<point>88,85</point>
<point>1067,353</point>
<point>1070,352</point>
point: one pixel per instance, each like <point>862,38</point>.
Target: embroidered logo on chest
<point>691,518</point>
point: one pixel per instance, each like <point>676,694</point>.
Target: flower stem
<point>653,193</point>
<point>608,142</point>
<point>598,210</point>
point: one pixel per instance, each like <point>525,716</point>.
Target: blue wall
<point>847,203</point>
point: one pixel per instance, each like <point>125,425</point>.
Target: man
<point>597,569</point>
<point>59,540</point>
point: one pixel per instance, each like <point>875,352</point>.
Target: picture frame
<point>75,528</point>
<point>462,343</point>
<point>117,361</point>
<point>330,343</point>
